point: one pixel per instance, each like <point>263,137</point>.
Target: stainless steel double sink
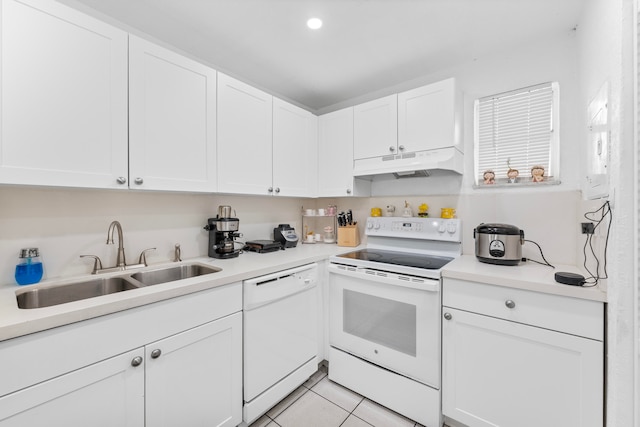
<point>99,286</point>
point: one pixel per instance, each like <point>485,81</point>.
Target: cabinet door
<point>172,128</point>
<point>107,394</point>
<point>195,377</point>
<point>244,138</point>
<point>375,128</point>
<point>64,97</point>
<point>501,373</point>
<point>295,148</point>
<point>335,157</point>
<point>427,117</point>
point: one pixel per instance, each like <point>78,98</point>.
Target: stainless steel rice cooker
<point>498,243</point>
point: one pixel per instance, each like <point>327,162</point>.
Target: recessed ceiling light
<point>314,23</point>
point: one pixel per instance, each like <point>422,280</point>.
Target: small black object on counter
<point>569,278</point>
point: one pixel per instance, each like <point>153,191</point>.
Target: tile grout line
<point>291,404</point>
<point>344,409</point>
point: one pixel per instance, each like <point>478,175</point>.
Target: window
<point>515,132</point>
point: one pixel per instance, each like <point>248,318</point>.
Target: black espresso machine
<point>223,230</point>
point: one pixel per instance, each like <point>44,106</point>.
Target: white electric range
<point>384,305</point>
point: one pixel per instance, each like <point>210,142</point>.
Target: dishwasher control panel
<point>265,289</point>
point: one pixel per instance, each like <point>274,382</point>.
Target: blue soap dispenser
<point>29,268</point>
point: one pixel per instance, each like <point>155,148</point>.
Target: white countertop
<point>526,275</point>
<point>16,322</point>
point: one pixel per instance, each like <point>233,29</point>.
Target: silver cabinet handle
<point>401,148</point>
<point>510,304</point>
<point>392,148</point>
<point>156,353</point>
<point>277,189</point>
<point>139,181</point>
<point>348,191</point>
<point>270,189</point>
<point>448,316</point>
<point>121,180</point>
<point>136,361</point>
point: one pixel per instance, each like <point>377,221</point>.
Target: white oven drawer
<point>560,313</point>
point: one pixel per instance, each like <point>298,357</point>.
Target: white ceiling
<point>364,45</point>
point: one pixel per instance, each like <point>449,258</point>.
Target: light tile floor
<point>320,402</point>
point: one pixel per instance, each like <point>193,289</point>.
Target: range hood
<point>410,165</point>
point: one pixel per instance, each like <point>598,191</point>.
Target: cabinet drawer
<point>560,313</point>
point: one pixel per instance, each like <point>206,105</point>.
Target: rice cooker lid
<point>495,228</point>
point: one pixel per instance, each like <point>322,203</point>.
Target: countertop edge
<point>15,322</point>
<point>527,276</point>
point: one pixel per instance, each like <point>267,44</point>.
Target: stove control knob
<point>376,226</point>
<point>451,228</point>
<point>369,225</point>
<point>441,228</point>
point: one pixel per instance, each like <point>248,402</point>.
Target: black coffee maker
<point>223,230</point>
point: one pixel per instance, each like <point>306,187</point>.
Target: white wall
<point>606,53</point>
<point>549,219</point>
<point>65,223</point>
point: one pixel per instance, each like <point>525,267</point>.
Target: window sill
<point>520,184</point>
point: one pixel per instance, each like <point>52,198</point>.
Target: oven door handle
<point>424,284</point>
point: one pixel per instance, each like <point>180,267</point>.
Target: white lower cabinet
<point>195,378</point>
<point>499,371</point>
<point>163,365</point>
<point>108,393</point>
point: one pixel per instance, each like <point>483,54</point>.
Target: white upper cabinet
<point>295,146</point>
<point>265,145</point>
<point>172,120</point>
<point>429,117</point>
<point>335,157</point>
<point>421,119</point>
<point>64,97</point>
<point>375,128</point>
<point>244,138</point>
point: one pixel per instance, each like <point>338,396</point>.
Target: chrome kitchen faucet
<point>121,262</point>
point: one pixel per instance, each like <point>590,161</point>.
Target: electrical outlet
<point>587,228</point>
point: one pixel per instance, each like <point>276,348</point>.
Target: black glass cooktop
<point>427,262</point>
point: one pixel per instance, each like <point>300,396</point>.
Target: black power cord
<point>604,211</point>
<point>541,254</point>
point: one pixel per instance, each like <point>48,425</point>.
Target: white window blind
<point>517,130</point>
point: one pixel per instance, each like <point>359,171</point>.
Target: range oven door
<point>388,319</point>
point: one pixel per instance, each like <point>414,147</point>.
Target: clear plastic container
<point>29,269</point>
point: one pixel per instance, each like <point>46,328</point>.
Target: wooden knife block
<point>348,235</point>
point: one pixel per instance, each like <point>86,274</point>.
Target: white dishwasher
<point>280,336</point>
